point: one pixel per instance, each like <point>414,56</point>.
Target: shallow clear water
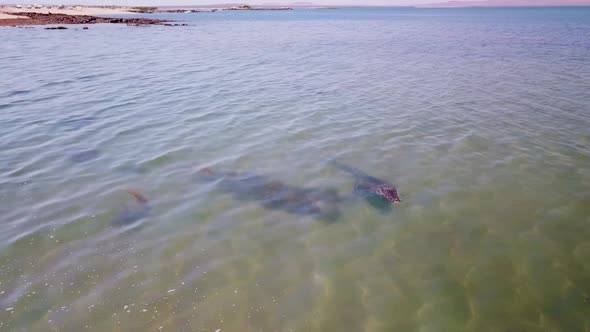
<point>480,117</point>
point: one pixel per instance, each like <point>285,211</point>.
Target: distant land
<point>263,5</point>
<point>508,3</point>
<point>329,4</point>
<point>446,4</point>
<point>449,4</point>
<point>434,4</point>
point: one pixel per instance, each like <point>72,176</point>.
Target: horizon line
<point>434,5</point>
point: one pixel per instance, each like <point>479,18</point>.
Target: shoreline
<point>214,10</point>
<point>29,18</point>
<point>75,10</point>
<point>15,16</point>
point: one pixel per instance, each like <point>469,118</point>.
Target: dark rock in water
<point>275,195</point>
<point>132,214</point>
<point>379,193</point>
<point>85,28</point>
<point>56,28</point>
<point>84,156</point>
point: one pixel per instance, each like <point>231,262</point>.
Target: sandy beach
<point>5,12</point>
<point>13,16</point>
<point>28,19</point>
<point>4,16</point>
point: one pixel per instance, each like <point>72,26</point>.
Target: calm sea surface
<point>481,118</point>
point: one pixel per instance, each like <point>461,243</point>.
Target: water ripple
<point>479,117</point>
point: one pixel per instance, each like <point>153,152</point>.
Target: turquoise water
<point>480,118</point>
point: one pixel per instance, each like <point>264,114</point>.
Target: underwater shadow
<point>132,214</point>
<point>319,203</point>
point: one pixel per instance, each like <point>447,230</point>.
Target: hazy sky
<point>208,2</point>
<point>287,2</point>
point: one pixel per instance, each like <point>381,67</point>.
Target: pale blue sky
<point>209,2</point>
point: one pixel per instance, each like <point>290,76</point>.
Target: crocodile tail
<point>138,196</point>
<point>347,169</point>
<point>206,170</point>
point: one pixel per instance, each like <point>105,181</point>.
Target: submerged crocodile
<point>275,195</point>
<point>132,214</point>
<point>369,187</point>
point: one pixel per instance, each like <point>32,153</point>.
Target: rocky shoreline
<point>63,19</point>
<point>220,9</point>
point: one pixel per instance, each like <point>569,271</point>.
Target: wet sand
<point>4,16</point>
<point>62,19</point>
<point>73,11</point>
<point>12,16</point>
